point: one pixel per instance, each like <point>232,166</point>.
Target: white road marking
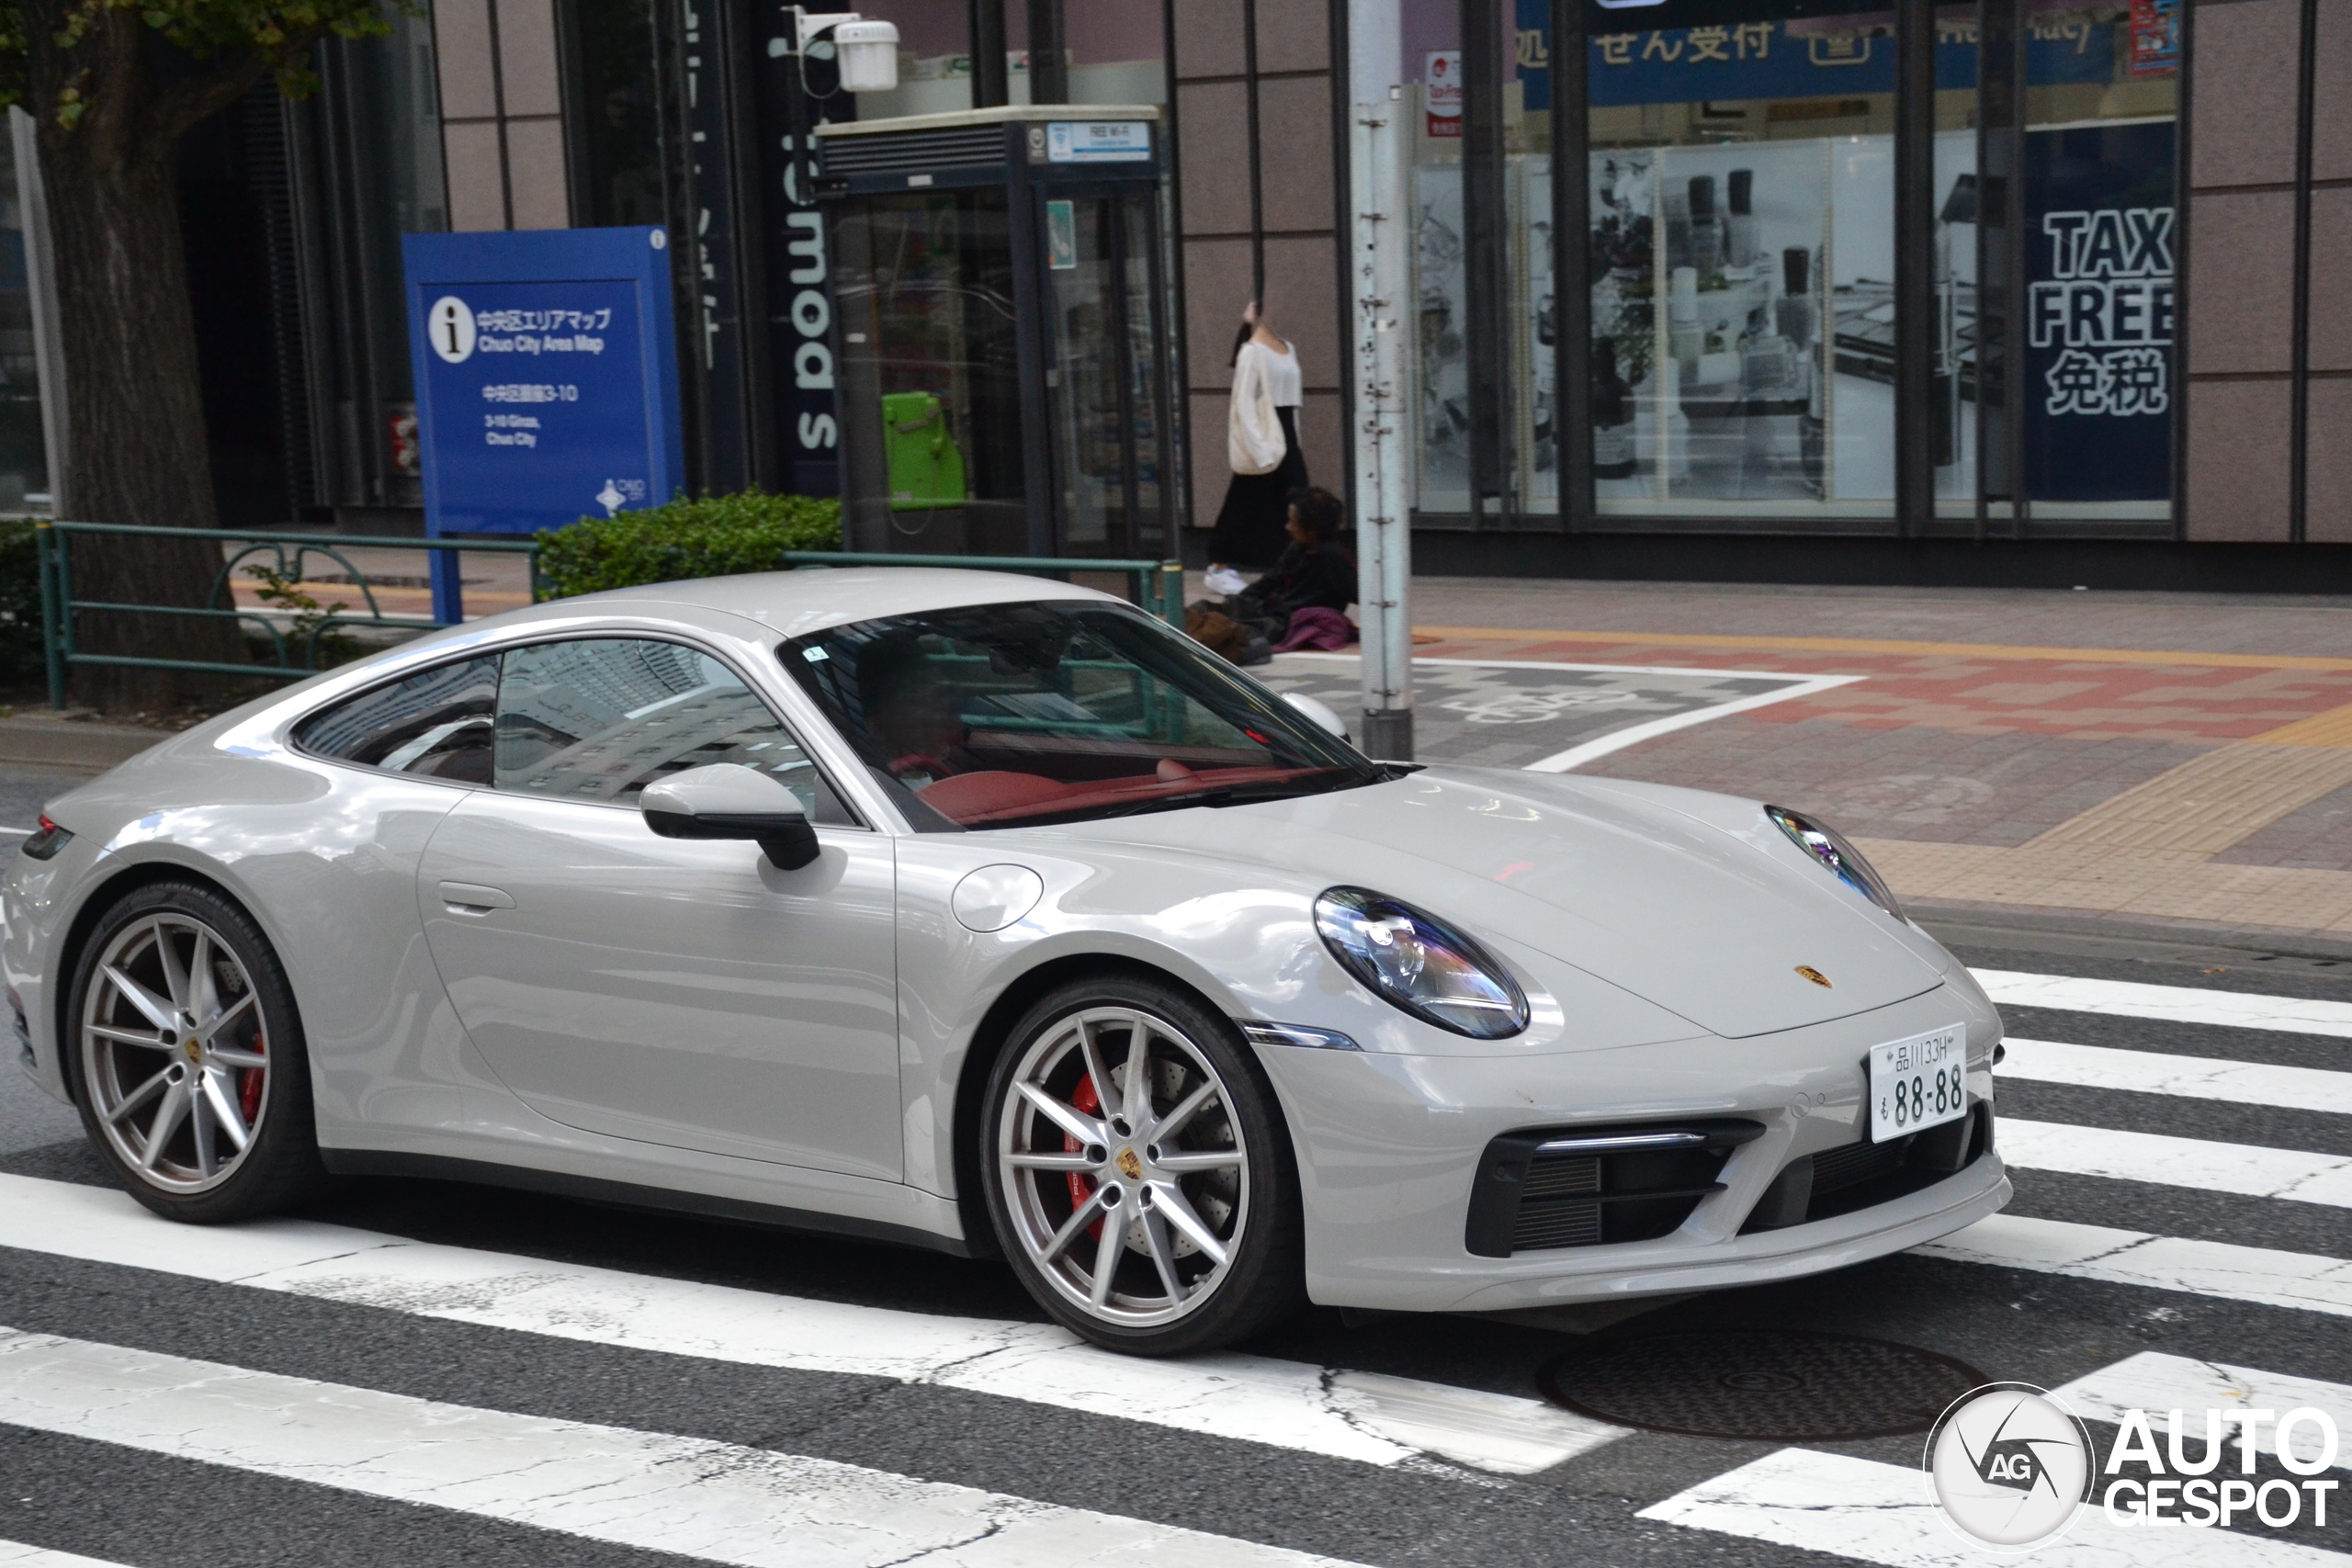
<point>1288,1404</point>
<point>716,1501</point>
<point>1634,734</point>
<point>2172,1004</point>
<point>2198,1077</point>
<point>1881,1513</point>
<point>2177,1162</point>
<point>2159,1383</point>
<point>16,1554</point>
<point>2301,1281</point>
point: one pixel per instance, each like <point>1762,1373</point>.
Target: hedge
<point>717,536</point>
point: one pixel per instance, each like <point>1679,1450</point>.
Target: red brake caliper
<point>249,1085</point>
<point>1081,1186</point>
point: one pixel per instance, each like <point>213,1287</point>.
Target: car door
<point>672,991</point>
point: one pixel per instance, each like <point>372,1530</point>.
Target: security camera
<point>867,51</point>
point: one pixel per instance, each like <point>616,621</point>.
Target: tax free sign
<point>546,376</point>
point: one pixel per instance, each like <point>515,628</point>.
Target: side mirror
<point>727,800</point>
<point>1320,712</point>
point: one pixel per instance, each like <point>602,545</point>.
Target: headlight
<point>1840,858</point>
<point>1420,964</point>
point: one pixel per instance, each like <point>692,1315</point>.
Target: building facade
<point>1774,288</point>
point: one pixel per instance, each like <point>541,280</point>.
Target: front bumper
<point>1388,1147</point>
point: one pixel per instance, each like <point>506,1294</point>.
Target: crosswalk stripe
<point>2242,1169</point>
<point>1289,1404</point>
<point>1882,1513</point>
<point>2198,1077</point>
<point>2171,1004</point>
<point>718,1501</point>
<point>2159,1383</point>
<point>2301,1281</point>
<point>16,1554</point>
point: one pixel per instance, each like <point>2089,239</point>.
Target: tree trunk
<point>138,450</point>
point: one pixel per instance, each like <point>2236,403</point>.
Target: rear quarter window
<point>436,723</point>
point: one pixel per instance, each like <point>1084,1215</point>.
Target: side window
<point>599,719</point>
<point>436,723</point>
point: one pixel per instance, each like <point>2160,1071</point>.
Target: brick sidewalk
<point>2165,758</point>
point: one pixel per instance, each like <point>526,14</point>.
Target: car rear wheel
<point>188,1058</point>
<point>1137,1171</point>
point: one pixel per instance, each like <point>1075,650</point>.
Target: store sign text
<point>2108,303</point>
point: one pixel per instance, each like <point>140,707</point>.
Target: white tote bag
<point>1253,441</point>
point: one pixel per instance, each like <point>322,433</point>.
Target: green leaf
<point>717,536</point>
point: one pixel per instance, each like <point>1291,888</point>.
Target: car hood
<point>1688,916</point>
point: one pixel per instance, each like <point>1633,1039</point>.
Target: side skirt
<point>629,1195</point>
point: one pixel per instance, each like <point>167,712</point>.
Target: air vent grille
<point>913,151</point>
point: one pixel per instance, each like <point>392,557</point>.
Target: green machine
<point>926,467</point>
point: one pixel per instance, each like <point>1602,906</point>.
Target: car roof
<point>808,600</point>
<point>792,603</point>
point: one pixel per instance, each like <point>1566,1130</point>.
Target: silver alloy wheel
<point>1123,1168</point>
<point>174,1054</point>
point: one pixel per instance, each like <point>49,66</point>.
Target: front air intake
<point>1588,1186</point>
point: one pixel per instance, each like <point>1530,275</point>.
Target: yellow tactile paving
<point>1892,645</point>
<point>2107,881</point>
<point>2333,727</point>
<point>2201,808</point>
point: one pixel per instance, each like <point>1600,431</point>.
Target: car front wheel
<point>188,1059</point>
<point>1137,1171</point>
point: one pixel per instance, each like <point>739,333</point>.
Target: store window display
<point>1740,173</point>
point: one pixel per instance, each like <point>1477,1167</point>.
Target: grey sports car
<point>990,915</point>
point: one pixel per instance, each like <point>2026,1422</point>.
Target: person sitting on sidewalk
<point>1316,572</point>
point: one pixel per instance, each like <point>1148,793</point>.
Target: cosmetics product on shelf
<point>1739,247</point>
<point>1706,228</point>
<point>1676,202</point>
<point>1613,416</point>
<point>1685,340</point>
<point>1793,313</point>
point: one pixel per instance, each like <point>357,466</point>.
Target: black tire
<point>1261,1280</point>
<point>280,1160</point>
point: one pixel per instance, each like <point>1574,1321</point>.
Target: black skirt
<point>1249,528</point>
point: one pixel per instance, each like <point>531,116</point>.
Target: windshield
<point>1002,715</point>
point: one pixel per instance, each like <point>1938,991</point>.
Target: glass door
<point>1109,436</point>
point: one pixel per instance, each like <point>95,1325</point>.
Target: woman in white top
<point>1262,444</point>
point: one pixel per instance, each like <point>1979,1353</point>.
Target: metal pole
<point>1377,279</point>
<point>1048,53</point>
<point>1915,246</point>
<point>1485,264</point>
<point>46,541</point>
<point>991,85</point>
<point>1571,268</point>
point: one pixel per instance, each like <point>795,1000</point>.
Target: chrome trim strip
<point>1263,1033</point>
<point>1623,1141</point>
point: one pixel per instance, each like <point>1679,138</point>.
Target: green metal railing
<point>288,553</point>
<point>1158,588</point>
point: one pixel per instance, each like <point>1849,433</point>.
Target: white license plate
<point>1919,1082</point>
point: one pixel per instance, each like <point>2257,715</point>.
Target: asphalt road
<point>836,1403</point>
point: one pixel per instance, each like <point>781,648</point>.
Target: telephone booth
<point>1000,334</point>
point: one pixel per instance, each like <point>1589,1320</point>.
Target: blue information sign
<point>547,380</point>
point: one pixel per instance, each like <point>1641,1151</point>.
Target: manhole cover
<point>1779,1388</point>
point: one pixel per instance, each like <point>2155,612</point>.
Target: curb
<point>73,746</point>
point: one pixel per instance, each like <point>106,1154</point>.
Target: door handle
<point>473,898</point>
